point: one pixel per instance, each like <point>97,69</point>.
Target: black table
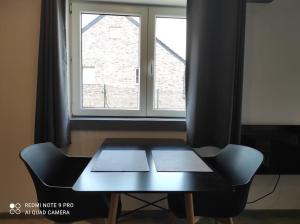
<point>148,182</point>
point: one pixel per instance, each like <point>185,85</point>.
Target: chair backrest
<point>43,161</point>
<point>238,163</point>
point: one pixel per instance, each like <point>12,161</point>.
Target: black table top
<point>152,181</point>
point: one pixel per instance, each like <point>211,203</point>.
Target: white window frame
<point>153,13</point>
<point>147,38</point>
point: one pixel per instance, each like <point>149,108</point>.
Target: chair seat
<point>207,151</point>
<point>236,163</point>
<point>66,174</point>
<point>54,174</point>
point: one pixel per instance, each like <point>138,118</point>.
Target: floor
<point>248,217</point>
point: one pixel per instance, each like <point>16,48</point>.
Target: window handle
<point>151,69</point>
<point>137,75</point>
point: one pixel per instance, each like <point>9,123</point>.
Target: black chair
<point>237,164</point>
<point>53,174</point>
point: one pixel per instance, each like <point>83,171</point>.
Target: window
<point>127,60</point>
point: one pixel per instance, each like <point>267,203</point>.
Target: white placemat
<point>178,161</point>
<point>121,161</point>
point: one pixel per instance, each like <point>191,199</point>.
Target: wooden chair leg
<point>196,219</point>
<point>189,208</point>
<point>172,219</point>
<point>113,208</point>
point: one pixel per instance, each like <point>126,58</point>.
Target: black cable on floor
<point>266,195</point>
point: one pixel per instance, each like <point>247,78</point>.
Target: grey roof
<point>92,23</point>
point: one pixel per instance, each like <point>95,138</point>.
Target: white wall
<point>19,32</point>
<point>272,63</point>
<point>272,86</point>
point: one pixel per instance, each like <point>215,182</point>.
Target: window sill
<point>129,124</point>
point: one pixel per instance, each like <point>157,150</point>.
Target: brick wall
<point>110,58</point>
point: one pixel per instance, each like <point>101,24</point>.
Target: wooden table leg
<point>189,208</point>
<point>113,208</point>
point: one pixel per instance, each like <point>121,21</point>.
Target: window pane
<point>169,71</point>
<point>110,58</point>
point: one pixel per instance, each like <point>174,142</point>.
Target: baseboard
<point>272,211</point>
<point>6,215</point>
<point>158,213</point>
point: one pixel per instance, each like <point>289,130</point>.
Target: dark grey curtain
<point>214,71</point>
<point>52,115</point>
